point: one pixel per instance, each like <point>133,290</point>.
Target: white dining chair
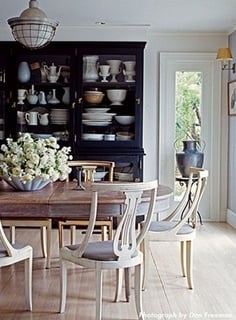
<point>45,226</point>
<point>11,254</point>
<point>105,223</point>
<point>180,225</point>
<point>121,252</point>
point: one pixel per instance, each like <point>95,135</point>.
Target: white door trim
<point>211,116</point>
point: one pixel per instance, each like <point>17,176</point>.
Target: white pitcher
<point>43,119</point>
<point>31,118</point>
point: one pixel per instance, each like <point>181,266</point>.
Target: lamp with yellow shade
<point>225,55</point>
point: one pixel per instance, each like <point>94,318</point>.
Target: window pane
<point>188,113</point>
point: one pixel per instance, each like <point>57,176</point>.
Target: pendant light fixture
<point>32,28</point>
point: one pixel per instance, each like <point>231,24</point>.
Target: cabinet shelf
<point>116,85</point>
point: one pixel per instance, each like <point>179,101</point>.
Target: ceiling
<point>157,15</point>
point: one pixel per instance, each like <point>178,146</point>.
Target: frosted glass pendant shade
<point>32,28</point>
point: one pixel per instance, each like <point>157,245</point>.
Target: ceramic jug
<point>43,119</point>
<point>32,98</point>
<point>90,73</point>
<point>31,118</point>
<point>52,73</point>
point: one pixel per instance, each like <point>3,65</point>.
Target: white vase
<point>53,99</point>
<point>115,68</point>
<point>23,72</point>
<point>90,72</point>
<point>36,184</point>
<point>66,95</point>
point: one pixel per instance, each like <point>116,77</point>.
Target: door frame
<point>214,159</point>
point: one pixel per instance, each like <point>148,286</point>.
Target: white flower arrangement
<point>28,158</point>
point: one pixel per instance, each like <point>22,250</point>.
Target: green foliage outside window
<point>188,99</point>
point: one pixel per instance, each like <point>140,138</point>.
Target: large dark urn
<point>189,157</point>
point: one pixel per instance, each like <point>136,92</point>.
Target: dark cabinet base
<point>128,164</point>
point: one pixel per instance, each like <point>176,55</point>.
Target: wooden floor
<point>167,296</point>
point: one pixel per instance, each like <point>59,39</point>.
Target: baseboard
<point>231,218</point>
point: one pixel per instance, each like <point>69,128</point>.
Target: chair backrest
<point>188,206</point>
<point>89,168</point>
<point>126,238</point>
<point>6,244</point>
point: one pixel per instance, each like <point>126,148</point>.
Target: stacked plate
<point>92,136</point>
<point>97,118</point>
<point>59,116</point>
<point>97,110</point>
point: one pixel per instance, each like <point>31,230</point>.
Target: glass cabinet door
<point>44,93</point>
<point>108,99</point>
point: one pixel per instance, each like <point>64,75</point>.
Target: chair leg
<point>63,285</point>
<point>49,235</point>
<point>43,241</point>
<point>72,234</point>
<point>144,247</point>
<point>98,294</point>
<point>110,231</point>
<point>13,234</point>
<point>119,278</point>
<point>138,291</point>
<point>183,257</point>
<point>189,259</point>
<point>104,233</point>
<point>127,283</point>
<point>60,234</point>
<point>28,281</point>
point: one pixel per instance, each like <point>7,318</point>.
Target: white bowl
<point>116,96</point>
<point>99,175</point>
<point>125,120</point>
<point>123,176</point>
<point>124,136</point>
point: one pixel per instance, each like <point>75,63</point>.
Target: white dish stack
<point>59,116</point>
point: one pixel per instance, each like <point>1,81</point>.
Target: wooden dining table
<point>62,201</point>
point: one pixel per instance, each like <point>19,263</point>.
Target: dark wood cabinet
<point>91,129</point>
